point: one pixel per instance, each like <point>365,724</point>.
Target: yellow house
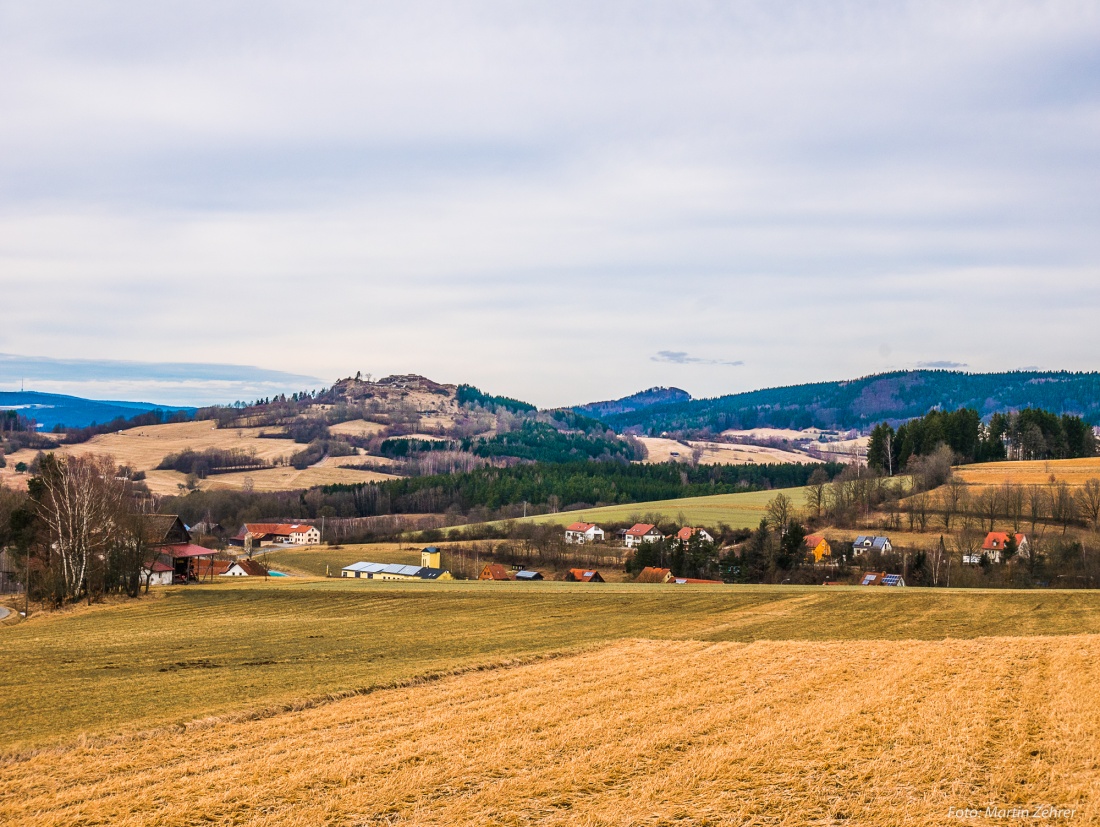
<point>819,547</point>
<point>430,558</point>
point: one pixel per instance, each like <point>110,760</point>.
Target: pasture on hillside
<point>142,448</point>
<point>678,728</point>
<point>743,510</point>
<point>1074,472</point>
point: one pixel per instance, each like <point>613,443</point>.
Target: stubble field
<point>329,702</point>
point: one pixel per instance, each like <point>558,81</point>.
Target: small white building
<point>246,568</point>
<point>641,533</point>
<point>685,534</point>
<point>871,543</point>
<point>157,573</point>
<point>581,533</point>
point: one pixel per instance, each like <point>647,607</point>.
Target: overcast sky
<point>560,202</point>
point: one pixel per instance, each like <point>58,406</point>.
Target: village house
<point>653,574</point>
<point>157,573</point>
<point>494,571</point>
<point>246,568</point>
<point>581,533</point>
<point>206,568</point>
<point>994,548</point>
<point>819,547</point>
<point>881,578</point>
<point>685,534</point>
<point>256,535</point>
<point>583,576</point>
<point>641,533</point>
<point>527,576</point>
<point>868,543</point>
<point>694,581</point>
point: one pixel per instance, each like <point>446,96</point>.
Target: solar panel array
<point>891,580</point>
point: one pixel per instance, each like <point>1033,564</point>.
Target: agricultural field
<point>329,702</point>
<point>1032,472</point>
<point>144,447</point>
<point>314,561</point>
<point>743,510</point>
<point>718,453</point>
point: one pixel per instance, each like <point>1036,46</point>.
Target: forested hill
<point>634,402</point>
<point>860,403</point>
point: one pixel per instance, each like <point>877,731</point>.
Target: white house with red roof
<point>685,534</point>
<point>641,533</point>
<point>581,533</point>
<point>994,546</point>
<point>295,534</point>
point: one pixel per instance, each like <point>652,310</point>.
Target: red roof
<point>696,582</point>
<point>814,540</point>
<point>276,528</point>
<point>204,567</point>
<point>687,532</point>
<point>156,567</point>
<point>494,571</point>
<point>580,526</point>
<point>640,529</point>
<point>995,540</point>
<point>188,550</point>
<point>652,574</point>
<point>585,575</point>
<point>253,568</point>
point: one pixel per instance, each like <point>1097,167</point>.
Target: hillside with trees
<point>861,403</point>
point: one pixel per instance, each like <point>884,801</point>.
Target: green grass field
<point>208,651</point>
<point>313,560</point>
<point>736,510</point>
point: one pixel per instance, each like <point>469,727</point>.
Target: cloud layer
<point>537,198</point>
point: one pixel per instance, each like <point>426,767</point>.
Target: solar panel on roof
<point>868,580</point>
<point>891,580</point>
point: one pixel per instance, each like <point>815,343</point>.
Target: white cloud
<point>500,194</point>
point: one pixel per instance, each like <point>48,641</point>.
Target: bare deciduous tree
<point>1088,501</point>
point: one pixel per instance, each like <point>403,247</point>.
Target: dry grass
<point>1036,472</point>
<point>143,449</point>
<point>240,646</point>
<point>719,453</point>
<point>638,732</point>
<point>314,561</point>
<point>357,427</point>
<point>743,510</point>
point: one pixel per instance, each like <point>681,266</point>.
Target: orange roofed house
<point>494,571</point>
<point>994,547</point>
<point>581,533</point>
<point>259,534</point>
<point>685,534</point>
<point>641,533</point>
<point>652,574</point>
<point>583,576</point>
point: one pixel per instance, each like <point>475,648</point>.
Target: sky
<point>560,202</point>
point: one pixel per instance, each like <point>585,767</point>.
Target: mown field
<point>196,652</point>
<point>1033,472</point>
<point>744,510</point>
<point>319,561</point>
<point>637,732</point>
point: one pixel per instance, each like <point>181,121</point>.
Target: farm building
<point>869,543</point>
<point>641,533</point>
<point>685,534</point>
<point>246,568</point>
<point>393,571</point>
<point>157,573</point>
<point>652,574</point>
<point>584,576</point>
<point>581,533</point>
<point>260,534</point>
<point>172,546</point>
<point>431,558</point>
<point>819,547</point>
<point>881,578</point>
<point>526,576</point>
<point>494,571</point>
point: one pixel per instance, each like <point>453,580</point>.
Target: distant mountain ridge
<point>860,403</point>
<point>51,409</point>
<point>635,402</point>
